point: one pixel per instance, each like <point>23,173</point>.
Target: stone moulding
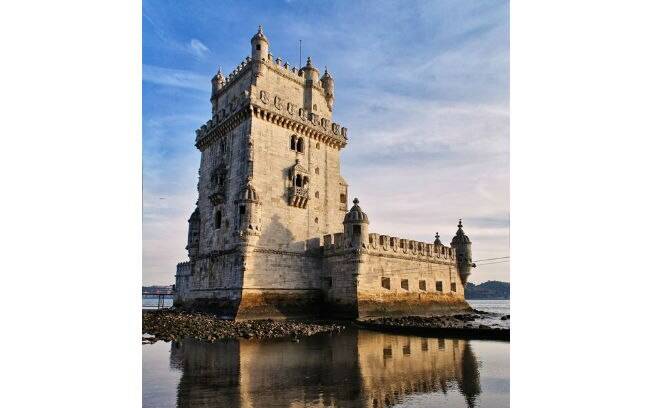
<point>291,253</point>
<point>296,126</point>
<point>206,136</point>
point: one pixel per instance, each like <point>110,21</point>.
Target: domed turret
<point>259,45</point>
<point>217,83</point>
<point>328,83</point>
<point>248,221</point>
<point>194,225</point>
<point>356,225</point>
<point>309,72</point>
<point>462,245</point>
<point>437,241</point>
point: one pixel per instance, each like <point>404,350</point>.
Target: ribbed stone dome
<point>356,215</point>
<point>259,35</point>
<point>248,193</point>
<point>460,237</point>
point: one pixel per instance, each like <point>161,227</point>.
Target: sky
<point>422,86</point>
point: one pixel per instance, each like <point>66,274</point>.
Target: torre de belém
<point>271,236</point>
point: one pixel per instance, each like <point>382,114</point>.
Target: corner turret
<point>194,225</point>
<point>356,227</point>
<point>462,245</point>
<point>437,241</point>
<point>259,45</point>
<point>217,83</point>
<point>309,72</point>
<point>328,83</point>
<point>248,204</point>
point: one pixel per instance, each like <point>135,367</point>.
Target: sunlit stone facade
<point>271,235</point>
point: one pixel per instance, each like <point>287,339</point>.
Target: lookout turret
<point>217,83</point>
<point>328,83</point>
<point>356,226</point>
<point>194,224</point>
<point>259,45</point>
<point>462,245</point>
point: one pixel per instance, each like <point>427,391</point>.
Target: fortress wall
<point>280,284</point>
<point>391,284</point>
<point>339,284</point>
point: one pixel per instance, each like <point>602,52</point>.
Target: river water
<point>355,368</point>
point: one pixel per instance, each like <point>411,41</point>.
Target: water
<point>152,302</point>
<point>355,368</point>
<point>493,306</point>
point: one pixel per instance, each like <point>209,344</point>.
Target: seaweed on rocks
<point>169,324</point>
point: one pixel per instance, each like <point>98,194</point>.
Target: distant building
<point>271,235</point>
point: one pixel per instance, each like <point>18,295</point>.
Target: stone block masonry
<point>271,236</point>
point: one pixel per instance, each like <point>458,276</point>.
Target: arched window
<point>300,145</point>
<point>293,143</point>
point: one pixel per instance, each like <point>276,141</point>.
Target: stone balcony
<point>299,196</point>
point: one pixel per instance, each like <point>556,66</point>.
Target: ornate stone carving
<point>314,119</point>
<point>278,102</point>
<point>292,108</point>
<point>303,114</point>
<point>264,98</point>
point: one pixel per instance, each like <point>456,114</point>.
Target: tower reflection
<point>351,369</point>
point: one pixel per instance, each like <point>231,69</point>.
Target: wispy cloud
<point>174,77</point>
<point>198,49</point>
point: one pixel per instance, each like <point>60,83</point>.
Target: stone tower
<point>269,183</point>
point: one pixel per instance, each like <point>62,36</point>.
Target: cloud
<point>174,77</point>
<point>198,49</point>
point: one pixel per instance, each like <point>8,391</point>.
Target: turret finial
<point>309,62</point>
<point>260,28</point>
<point>356,201</point>
<point>460,224</point>
<point>437,241</point>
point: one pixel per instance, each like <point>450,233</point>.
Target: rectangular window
<point>384,282</point>
<point>404,284</point>
<point>343,198</point>
<point>424,345</point>
<point>406,350</point>
<point>218,220</point>
<point>439,286</point>
<point>422,285</point>
<point>387,352</point>
<point>357,229</point>
<point>329,282</point>
<point>453,287</point>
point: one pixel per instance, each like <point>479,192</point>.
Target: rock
<point>506,317</point>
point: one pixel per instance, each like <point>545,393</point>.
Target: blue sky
<point>423,87</point>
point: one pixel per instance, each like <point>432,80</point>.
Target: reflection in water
<point>351,369</point>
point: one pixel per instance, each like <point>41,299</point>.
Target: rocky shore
<point>475,325</point>
<point>169,324</point>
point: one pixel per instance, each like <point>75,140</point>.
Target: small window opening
<point>314,107</point>
<point>371,240</point>
<point>316,194</point>
<point>300,145</point>
<point>357,230</point>
<point>329,282</point>
<point>293,143</point>
<point>422,285</point>
<point>400,244</point>
<point>242,209</point>
<point>298,181</point>
<point>439,286</point>
<point>453,287</point>
<point>424,345</point>
<point>218,220</point>
<point>316,220</point>
<point>317,146</point>
<point>258,47</point>
<point>404,284</point>
<point>406,350</point>
<point>387,352</point>
<point>441,344</point>
<point>317,170</point>
<point>343,198</point>
<point>384,282</point>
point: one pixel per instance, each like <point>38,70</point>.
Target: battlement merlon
<point>334,244</point>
